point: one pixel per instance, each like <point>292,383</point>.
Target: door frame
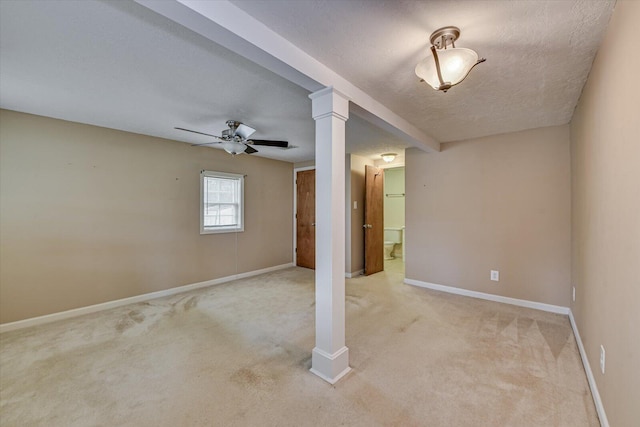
<point>398,163</point>
<point>295,205</point>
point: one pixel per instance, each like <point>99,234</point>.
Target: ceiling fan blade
<point>206,143</point>
<point>244,131</point>
<point>250,150</point>
<point>269,143</point>
<point>195,131</point>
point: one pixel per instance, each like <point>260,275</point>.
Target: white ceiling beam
<point>227,25</point>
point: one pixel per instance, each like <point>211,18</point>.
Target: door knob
<point>367,226</point>
<point>313,224</point>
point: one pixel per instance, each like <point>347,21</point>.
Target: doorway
<point>394,219</point>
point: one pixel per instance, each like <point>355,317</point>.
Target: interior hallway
<point>394,266</point>
<point>239,353</point>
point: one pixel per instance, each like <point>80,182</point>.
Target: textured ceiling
<point>539,54</point>
<point>117,64</point>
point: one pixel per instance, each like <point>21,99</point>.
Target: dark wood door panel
<point>305,219</point>
<point>374,220</point>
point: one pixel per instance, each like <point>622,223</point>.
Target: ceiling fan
<point>235,139</point>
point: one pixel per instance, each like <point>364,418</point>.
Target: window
<point>221,202</point>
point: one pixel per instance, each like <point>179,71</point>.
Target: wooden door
<point>305,219</point>
<point>373,220</point>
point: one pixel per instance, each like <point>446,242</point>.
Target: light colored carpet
<point>238,354</point>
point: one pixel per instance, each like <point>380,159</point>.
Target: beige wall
<point>494,203</point>
<point>89,215</point>
<point>306,164</point>
<point>605,162</point>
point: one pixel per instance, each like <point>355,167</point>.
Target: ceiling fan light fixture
<point>233,147</point>
<point>447,65</point>
<point>388,157</point>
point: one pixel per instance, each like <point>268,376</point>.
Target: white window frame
<point>225,228</point>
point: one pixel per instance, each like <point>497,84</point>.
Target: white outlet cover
<point>602,358</point>
<point>574,294</point>
<point>495,275</point>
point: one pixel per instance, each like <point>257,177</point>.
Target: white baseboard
<point>20,324</point>
<point>491,297</point>
<point>539,306</point>
<point>604,422</point>
<point>354,274</point>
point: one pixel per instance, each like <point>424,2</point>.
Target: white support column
<point>330,357</point>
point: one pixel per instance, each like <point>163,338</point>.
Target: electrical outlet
<point>602,355</point>
<point>574,294</point>
<point>355,204</point>
<point>495,275</point>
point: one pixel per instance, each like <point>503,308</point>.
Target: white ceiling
<point>117,64</point>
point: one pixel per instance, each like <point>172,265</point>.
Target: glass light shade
<point>455,64</point>
<point>388,157</point>
<point>233,147</point>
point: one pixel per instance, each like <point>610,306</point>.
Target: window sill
<point>222,230</point>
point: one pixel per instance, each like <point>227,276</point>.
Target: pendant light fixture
<point>447,65</point>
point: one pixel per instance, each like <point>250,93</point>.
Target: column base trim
<point>330,367</point>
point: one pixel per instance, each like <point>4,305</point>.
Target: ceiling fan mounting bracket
<point>233,124</point>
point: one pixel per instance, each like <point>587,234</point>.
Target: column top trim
<point>329,102</point>
<point>327,90</point>
<point>331,114</point>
